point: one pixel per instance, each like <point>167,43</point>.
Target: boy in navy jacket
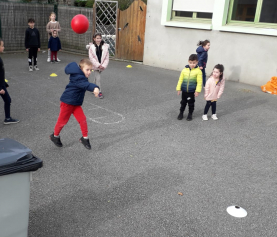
<point>54,44</point>
<point>72,100</point>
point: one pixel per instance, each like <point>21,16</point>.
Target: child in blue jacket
<point>54,44</point>
<point>202,54</point>
<point>72,100</point>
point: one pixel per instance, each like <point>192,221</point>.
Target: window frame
<point>219,21</point>
<point>194,18</point>
<point>255,23</point>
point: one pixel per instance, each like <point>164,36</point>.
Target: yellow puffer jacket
<point>190,80</point>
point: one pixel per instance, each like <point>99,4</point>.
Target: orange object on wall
<point>271,86</point>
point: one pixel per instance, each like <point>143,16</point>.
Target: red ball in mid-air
<point>79,24</point>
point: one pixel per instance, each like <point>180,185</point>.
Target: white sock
<point>85,137</point>
<point>56,136</point>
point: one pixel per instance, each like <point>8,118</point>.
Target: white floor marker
<point>236,211</point>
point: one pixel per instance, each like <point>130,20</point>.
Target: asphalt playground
<point>142,156</point>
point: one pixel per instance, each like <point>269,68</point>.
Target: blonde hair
<point>52,13</point>
<point>85,61</point>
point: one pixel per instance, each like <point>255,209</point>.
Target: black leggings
<point>187,98</point>
<point>7,103</point>
<point>33,52</point>
<point>207,107</point>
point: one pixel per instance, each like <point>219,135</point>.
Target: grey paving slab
<point>142,156</point>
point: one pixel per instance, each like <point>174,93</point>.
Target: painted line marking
<point>108,110</point>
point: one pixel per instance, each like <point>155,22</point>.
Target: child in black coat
<point>32,43</point>
<point>3,90</point>
<point>54,44</point>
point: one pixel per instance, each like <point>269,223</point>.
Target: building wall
<point>247,58</point>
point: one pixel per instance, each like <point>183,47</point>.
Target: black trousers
<point>187,98</point>
<point>7,103</point>
<point>33,52</point>
<point>207,107</point>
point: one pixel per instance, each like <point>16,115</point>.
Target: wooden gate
<point>131,30</point>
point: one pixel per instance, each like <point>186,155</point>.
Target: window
<point>193,9</point>
<point>257,12</point>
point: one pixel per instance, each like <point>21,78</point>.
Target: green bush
<point>90,3</point>
<point>79,3</point>
<point>122,4</point>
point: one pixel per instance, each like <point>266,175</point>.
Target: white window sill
<point>247,30</point>
<point>192,25</point>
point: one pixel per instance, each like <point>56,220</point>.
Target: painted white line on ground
<point>272,123</point>
<point>53,103</point>
<point>108,110</point>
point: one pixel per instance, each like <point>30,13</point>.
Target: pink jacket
<point>213,91</point>
<point>93,57</point>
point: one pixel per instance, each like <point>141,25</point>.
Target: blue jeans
<point>204,76</point>
<point>7,103</point>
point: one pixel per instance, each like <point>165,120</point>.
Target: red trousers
<point>54,53</point>
<point>65,112</point>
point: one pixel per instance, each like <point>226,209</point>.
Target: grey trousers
<point>97,77</point>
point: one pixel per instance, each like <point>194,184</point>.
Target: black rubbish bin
<point>16,164</point>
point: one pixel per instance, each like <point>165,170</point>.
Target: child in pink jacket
<point>99,56</point>
<point>213,90</point>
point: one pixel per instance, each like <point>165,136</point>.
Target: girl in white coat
<point>213,90</point>
<point>99,56</point>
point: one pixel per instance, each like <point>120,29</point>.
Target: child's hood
<point>200,49</point>
<point>73,68</point>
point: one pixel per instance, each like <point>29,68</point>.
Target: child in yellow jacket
<point>190,83</point>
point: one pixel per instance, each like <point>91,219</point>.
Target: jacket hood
<point>200,49</point>
<point>73,68</point>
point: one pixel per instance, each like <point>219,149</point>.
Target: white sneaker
<point>205,117</point>
<point>58,60</point>
<point>30,68</point>
<point>214,117</point>
<point>36,68</point>
<point>48,60</point>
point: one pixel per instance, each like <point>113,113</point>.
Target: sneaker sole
<point>10,122</point>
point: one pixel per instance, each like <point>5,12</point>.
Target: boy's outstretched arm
<point>84,84</point>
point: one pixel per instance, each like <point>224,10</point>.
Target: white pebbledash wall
<point>247,58</point>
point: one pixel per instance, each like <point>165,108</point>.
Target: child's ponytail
<point>203,43</point>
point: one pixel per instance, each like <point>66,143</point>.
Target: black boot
<point>189,118</point>
<point>180,116</point>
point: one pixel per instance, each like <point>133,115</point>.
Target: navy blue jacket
<point>54,44</point>
<point>202,55</point>
<point>78,85</point>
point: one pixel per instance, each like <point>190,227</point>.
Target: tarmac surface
<point>142,156</point>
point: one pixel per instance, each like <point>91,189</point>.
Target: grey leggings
<point>97,77</point>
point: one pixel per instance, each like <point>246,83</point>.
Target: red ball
<point>79,24</point>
